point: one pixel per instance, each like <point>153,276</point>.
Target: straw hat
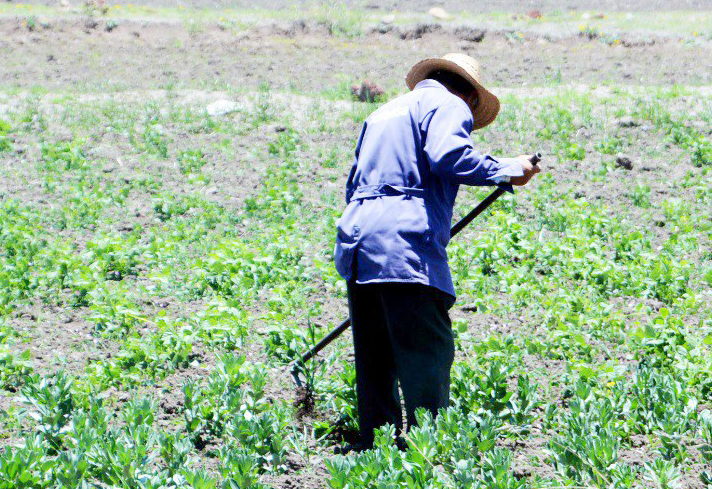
<point>468,68</point>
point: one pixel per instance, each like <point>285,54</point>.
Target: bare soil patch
<point>314,61</point>
<point>424,5</point>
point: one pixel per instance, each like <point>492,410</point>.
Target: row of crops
<point>583,352</point>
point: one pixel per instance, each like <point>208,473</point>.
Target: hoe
<point>536,158</point>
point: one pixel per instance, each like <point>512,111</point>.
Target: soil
<point>56,58</point>
<point>302,61</point>
<point>425,5</point>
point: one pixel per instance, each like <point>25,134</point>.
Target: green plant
<point>662,473</point>
<point>53,403</point>
<point>191,161</point>
<point>14,369</point>
<point>641,196</point>
<point>5,142</point>
<point>27,467</point>
<point>588,448</point>
<point>31,22</point>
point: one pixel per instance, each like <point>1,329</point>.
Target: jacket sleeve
<point>350,180</point>
<point>450,153</point>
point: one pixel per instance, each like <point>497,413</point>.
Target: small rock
<point>624,162</point>
<point>388,19</point>
<point>64,3</point>
<point>222,107</point>
<point>469,308</point>
<point>90,23</point>
<point>50,57</point>
<point>627,121</point>
<point>124,396</point>
<point>280,128</point>
<point>439,13</point>
<point>108,168</point>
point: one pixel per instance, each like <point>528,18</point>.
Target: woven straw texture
<point>468,68</point>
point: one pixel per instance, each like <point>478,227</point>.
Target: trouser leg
<point>376,380</point>
<point>423,345</point>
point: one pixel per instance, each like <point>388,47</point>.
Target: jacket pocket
<point>413,224</point>
<point>347,234</point>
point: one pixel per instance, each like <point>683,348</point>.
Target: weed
<point>5,142</point>
<point>641,196</point>
<point>191,161</point>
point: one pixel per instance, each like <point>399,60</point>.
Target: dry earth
<point>138,58</point>
<point>424,5</point>
<point>303,56</point>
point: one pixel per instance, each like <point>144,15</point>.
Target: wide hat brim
<point>488,106</point>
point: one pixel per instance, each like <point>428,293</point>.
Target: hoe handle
<point>536,158</point>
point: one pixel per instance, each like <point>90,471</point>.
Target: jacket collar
<point>429,83</point>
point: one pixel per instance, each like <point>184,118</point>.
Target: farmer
<point>412,155</point>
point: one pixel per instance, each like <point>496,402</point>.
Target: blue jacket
<point>411,157</point>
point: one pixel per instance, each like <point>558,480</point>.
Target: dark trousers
<point>402,332</point>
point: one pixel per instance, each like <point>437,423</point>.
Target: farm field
<point>162,260</point>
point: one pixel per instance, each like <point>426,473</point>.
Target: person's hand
<point>528,169</point>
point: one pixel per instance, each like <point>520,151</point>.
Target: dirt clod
<point>534,14</point>
<point>470,34</point>
<point>624,162</point>
<point>627,122</point>
<point>304,401</point>
<point>367,91</point>
<point>418,31</point>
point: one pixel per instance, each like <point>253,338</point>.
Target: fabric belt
<point>381,189</point>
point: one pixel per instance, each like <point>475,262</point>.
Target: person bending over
<point>412,155</point>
